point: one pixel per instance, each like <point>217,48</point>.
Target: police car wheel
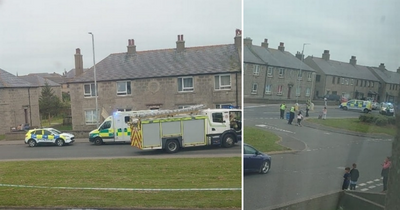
<point>32,143</point>
<point>172,146</point>
<point>228,140</point>
<point>60,142</point>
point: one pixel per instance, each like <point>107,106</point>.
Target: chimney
<point>180,44</point>
<point>248,41</point>
<point>353,60</point>
<point>281,47</point>
<point>238,39</point>
<point>78,62</point>
<point>299,56</point>
<point>265,43</point>
<point>382,67</point>
<point>398,70</point>
<point>326,55</point>
<point>131,47</point>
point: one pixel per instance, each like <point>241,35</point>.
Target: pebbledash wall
<point>19,106</point>
<point>148,93</point>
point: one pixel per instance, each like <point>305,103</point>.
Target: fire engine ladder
<point>169,113</point>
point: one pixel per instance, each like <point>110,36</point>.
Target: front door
<point>288,94</point>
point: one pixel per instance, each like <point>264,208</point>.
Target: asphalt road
<point>318,164</point>
<point>82,149</point>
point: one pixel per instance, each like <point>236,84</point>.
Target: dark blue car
<point>255,161</point>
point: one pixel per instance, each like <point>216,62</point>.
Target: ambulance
<point>176,129</point>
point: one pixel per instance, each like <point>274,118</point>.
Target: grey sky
<point>369,30</point>
<point>42,35</point>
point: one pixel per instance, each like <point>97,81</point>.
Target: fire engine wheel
<point>98,141</point>
<point>228,141</point>
<point>32,143</point>
<point>172,146</point>
<point>60,142</point>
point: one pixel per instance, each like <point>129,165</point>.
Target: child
<point>299,118</point>
<point>324,112</point>
<point>346,178</point>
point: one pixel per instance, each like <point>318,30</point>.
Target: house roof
<point>273,57</point>
<point>342,69</point>
<point>38,80</point>
<point>387,76</point>
<point>9,80</point>
<point>166,62</point>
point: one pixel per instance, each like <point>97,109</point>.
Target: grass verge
<point>170,173</point>
<point>2,136</point>
<point>354,124</point>
<point>262,140</point>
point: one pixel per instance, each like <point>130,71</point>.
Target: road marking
<point>370,182</point>
<point>377,180</point>
<point>121,189</point>
<point>362,184</point>
<point>364,189</point>
<point>275,128</point>
<point>371,187</point>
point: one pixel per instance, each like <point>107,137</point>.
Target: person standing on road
<point>299,118</point>
<point>324,112</point>
<point>291,116</point>
<point>326,101</point>
<point>385,172</point>
<point>282,109</point>
<point>308,107</point>
<point>354,174</point>
<point>346,178</point>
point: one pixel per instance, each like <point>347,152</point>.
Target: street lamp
<point>300,74</point>
<point>95,81</point>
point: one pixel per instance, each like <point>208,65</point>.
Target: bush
<point>381,120</point>
<point>392,120</point>
<point>367,118</point>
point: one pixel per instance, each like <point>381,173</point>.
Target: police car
<point>48,136</point>
<point>364,106</point>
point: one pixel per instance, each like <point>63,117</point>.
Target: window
<point>184,106</point>
<point>89,90</point>
<point>300,75</point>
<point>346,81</point>
<point>270,72</point>
<point>372,85</point>
<point>268,89</point>
<point>281,73</point>
<point>124,110</point>
<point>298,90</point>
<point>318,78</point>
<point>342,81</point>
<point>223,82</point>
<point>90,117</point>
<point>351,81</point>
<point>123,88</point>
<point>309,77</point>
<point>280,87</point>
<point>361,83</point>
<point>185,84</point>
<point>46,132</point>
<point>365,83</point>
<point>308,91</point>
<point>256,70</point>
<point>254,88</point>
<point>357,82</point>
<point>338,80</point>
<point>217,117</point>
<point>333,80</point>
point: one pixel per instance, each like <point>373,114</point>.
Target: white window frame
<point>184,106</point>
<point>254,88</point>
<point>92,116</point>
<point>308,91</point>
<point>351,81</point>
<point>268,89</point>
<point>222,87</point>
<point>300,75</point>
<point>270,72</point>
<point>126,91</point>
<point>372,84</point>
<point>346,81</point>
<point>342,81</point>
<point>298,91</point>
<point>280,90</point>
<point>256,70</point>
<point>124,110</point>
<point>281,73</point>
<point>309,77</point>
<point>185,89</point>
<point>92,90</point>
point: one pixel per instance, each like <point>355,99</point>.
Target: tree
<point>392,197</point>
<point>49,104</point>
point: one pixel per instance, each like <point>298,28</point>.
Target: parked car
<point>332,97</point>
<point>375,105</point>
<point>48,136</point>
<point>255,161</point>
<point>364,106</point>
<point>387,109</point>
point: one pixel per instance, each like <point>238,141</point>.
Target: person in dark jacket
<point>354,174</point>
<point>346,179</point>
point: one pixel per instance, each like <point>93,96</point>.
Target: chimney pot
<point>281,47</point>
<point>265,43</point>
<point>238,39</point>
<point>180,44</point>
<point>78,63</point>
<point>353,60</point>
<point>326,55</point>
<point>248,41</point>
<point>131,46</point>
<point>78,51</point>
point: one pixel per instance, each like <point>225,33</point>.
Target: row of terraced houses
<point>182,76</point>
<point>277,75</point>
<point>132,80</point>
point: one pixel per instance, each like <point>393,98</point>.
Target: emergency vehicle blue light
<point>229,107</point>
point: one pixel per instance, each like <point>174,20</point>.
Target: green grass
<point>2,136</point>
<point>354,124</point>
<point>263,140</point>
<point>168,173</point>
<point>55,120</point>
<point>63,127</point>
